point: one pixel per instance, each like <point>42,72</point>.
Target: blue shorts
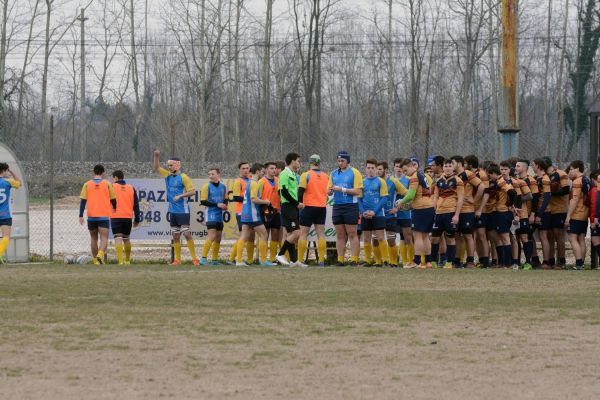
<point>121,226</point>
<point>557,221</point>
<point>422,219</point>
<point>578,227</point>
<point>272,220</point>
<point>524,227</point>
<point>253,224</point>
<point>93,225</point>
<point>6,222</point>
<point>443,223</point>
<point>546,222</point>
<point>390,225</point>
<point>345,214</point>
<point>218,226</point>
<point>503,221</point>
<point>310,216</point>
<point>180,219</point>
<point>466,223</point>
<point>373,224</point>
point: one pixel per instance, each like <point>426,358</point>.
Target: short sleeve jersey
<point>288,179</point>
<point>420,184</point>
<point>448,189</point>
<point>215,194</point>
<point>177,184</point>
<point>6,185</point>
<point>349,179</point>
<point>251,211</point>
<point>374,189</point>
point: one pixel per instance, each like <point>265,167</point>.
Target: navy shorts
<point>373,224</point>
<point>345,214</point>
<point>595,231</point>
<point>215,225</point>
<point>545,222</point>
<point>503,220</point>
<point>402,224</point>
<point>557,221</point>
<point>253,224</point>
<point>238,220</point>
<point>489,221</point>
<point>422,219</point>
<point>93,225</point>
<point>310,216</point>
<point>480,223</point>
<point>578,227</point>
<point>6,222</point>
<point>121,226</point>
<point>390,224</point>
<point>443,223</point>
<point>466,223</point>
<point>272,220</point>
<point>524,227</point>
<point>289,217</point>
<point>180,219</point>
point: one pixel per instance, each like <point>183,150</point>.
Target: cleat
<point>99,261</point>
<point>95,261</point>
<point>281,259</point>
<point>448,265</point>
<point>340,264</point>
<point>121,263</point>
<point>321,264</point>
<point>421,266</point>
<point>557,267</point>
<point>377,265</point>
<point>515,267</point>
<point>231,262</point>
<point>393,266</point>
<point>215,262</point>
<point>527,267</point>
<point>267,264</point>
<point>203,261</point>
<point>176,263</point>
<point>241,264</point>
<point>409,266</point>
<point>434,265</point>
<point>127,262</point>
<point>195,262</point>
<point>470,265</point>
<point>299,264</point>
<point>428,265</point>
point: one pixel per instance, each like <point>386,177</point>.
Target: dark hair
<point>505,164</point>
<point>280,164</point>
<point>541,163</point>
<point>485,164</point>
<point>594,174</point>
<point>398,160</point>
<point>371,161</point>
<point>405,162</point>
<point>493,168</point>
<point>3,167</point>
<point>577,164</point>
<point>242,163</point>
<point>256,167</point>
<point>118,174</point>
<point>291,157</point>
<point>513,161</point>
<point>447,161</point>
<point>384,164</point>
<point>214,169</point>
<point>472,161</point>
<point>459,159</point>
<point>524,161</point>
<point>270,163</point>
<point>438,160</point>
<point>98,169</point>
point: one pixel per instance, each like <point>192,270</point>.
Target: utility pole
<point>82,131</point>
<point>508,115</point>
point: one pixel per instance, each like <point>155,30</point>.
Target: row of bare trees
<point>220,80</point>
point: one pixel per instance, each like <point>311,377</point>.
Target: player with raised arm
<point>179,190</point>
<point>371,205</point>
<point>98,196</point>
<point>128,208</point>
<point>8,181</point>
<point>213,196</point>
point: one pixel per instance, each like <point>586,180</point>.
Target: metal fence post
<point>51,187</point>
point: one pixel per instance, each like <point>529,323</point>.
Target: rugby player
<point>403,217</point>
<point>529,247</point>
<point>8,181</point>
<point>542,214</point>
<point>371,205</point>
<point>268,186</point>
<point>390,210</point>
<point>578,211</point>
<point>559,204</point>
<point>237,196</point>
<point>128,207</point>
<point>213,196</point>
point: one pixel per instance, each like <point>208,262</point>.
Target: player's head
<point>505,168</point>
<point>244,168</point>
<point>493,171</point>
<point>3,167</point>
<point>118,175</point>
<point>99,170</point>
<point>382,169</point>
<point>174,164</point>
<point>429,171</point>
<point>595,175</point>
<point>314,161</point>
<point>471,162</point>
<point>437,165</point>
<point>576,169</point>
<point>214,174</point>
<point>257,170</point>
<point>409,167</point>
<point>343,159</point>
<point>522,167</point>
<point>448,167</point>
<point>270,169</point>
<point>280,166</point>
<point>292,161</point>
<point>458,162</point>
<point>540,165</point>
<point>371,167</point>
<point>548,161</point>
<point>398,166</point>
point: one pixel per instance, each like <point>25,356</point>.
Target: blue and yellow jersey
<point>214,193</point>
<point>251,211</point>
<point>374,195</point>
<point>394,186</point>
<point>405,182</point>
<point>98,193</point>
<point>6,184</point>
<point>177,185</point>
<point>349,179</point>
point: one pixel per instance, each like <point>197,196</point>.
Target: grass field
<point>148,331</point>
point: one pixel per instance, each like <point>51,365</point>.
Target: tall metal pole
<point>82,131</point>
<point>51,187</point>
<point>508,113</point>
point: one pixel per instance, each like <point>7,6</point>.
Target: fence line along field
<point>148,331</point>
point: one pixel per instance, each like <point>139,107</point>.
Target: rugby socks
<point>354,259</point>
<point>417,260</point>
<point>579,263</point>
<point>215,250</point>
<point>240,250</point>
<point>562,261</point>
<point>500,253</point>
<point>451,252</point>
<point>119,250</point>
<point>3,245</point>
<point>598,250</point>
<point>552,261</point>
<point>484,261</point>
<point>377,252</point>
<point>368,249</point>
<point>273,246</point>
<point>384,251</point>
<point>302,246</point>
<point>322,247</point>
<point>290,249</point>
<point>127,248</point>
<point>262,250</point>
<point>341,259</point>
<point>403,253</point>
<point>250,251</point>
<point>435,249</point>
<point>100,255</point>
<point>233,255</point>
<point>507,255</point>
<point>191,248</point>
<point>206,248</point>
<point>177,248</point>
<point>410,252</point>
<point>393,254</point>
<point>528,251</point>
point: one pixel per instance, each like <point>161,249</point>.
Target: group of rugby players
<point>441,216</point>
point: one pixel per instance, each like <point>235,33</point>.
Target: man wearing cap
<point>312,193</point>
<point>179,190</point>
<point>346,185</point>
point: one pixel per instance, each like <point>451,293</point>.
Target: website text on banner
<point>155,217</point>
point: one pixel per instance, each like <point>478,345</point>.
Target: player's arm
<point>564,186</point>
<point>156,164</point>
<point>546,196</point>
<point>15,181</point>
<point>510,192</point>
<point>412,191</point>
<point>484,200</point>
<point>302,186</point>
<point>435,197</point>
<point>576,194</point>
<point>254,197</point>
<point>188,186</point>
<point>460,198</point>
<point>113,197</point>
<point>285,192</point>
<point>204,196</point>
<point>82,202</point>
<point>237,192</point>
<point>526,194</point>
<point>477,183</point>
<point>400,188</point>
<point>137,215</point>
<point>383,194</point>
